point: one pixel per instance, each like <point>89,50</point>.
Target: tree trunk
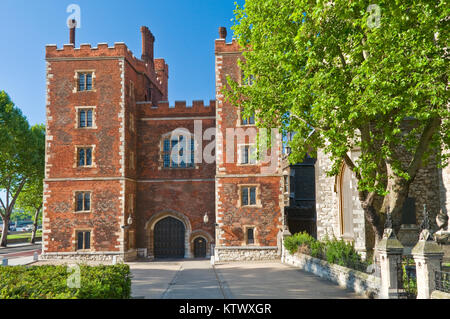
<point>4,240</point>
<point>35,222</point>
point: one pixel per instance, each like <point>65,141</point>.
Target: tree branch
<point>425,139</point>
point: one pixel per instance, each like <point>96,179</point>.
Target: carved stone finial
<point>442,220</point>
<point>388,223</point>
<point>425,234</point>
<point>388,230</point>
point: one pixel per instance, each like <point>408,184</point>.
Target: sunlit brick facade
<point>110,187</point>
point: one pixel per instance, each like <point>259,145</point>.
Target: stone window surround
<point>239,153</point>
<point>131,89</point>
<point>258,196</point>
<point>132,160</point>
<point>77,72</point>
<point>74,202</point>
<point>255,233</point>
<point>77,147</point>
<point>161,152</point>
<point>239,120</point>
<point>131,239</point>
<point>75,239</point>
<point>132,123</point>
<point>130,204</point>
<point>77,117</point>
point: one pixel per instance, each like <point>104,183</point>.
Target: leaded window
<point>83,201</point>
<point>85,118</point>
<point>85,81</point>
<point>83,240</point>
<point>178,152</point>
<point>84,156</point>
<point>248,195</point>
<point>250,236</point>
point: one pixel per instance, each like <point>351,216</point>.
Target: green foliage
<point>292,243</point>
<point>30,198</point>
<point>22,160</point>
<point>50,282</point>
<point>334,251</point>
<point>409,281</point>
<point>322,65</point>
<point>344,254</point>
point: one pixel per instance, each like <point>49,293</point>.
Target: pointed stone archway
<point>169,218</point>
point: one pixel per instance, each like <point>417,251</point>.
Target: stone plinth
<point>428,257</point>
<point>390,252</point>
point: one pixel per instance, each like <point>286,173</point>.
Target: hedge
<point>333,251</point>
<point>51,282</point>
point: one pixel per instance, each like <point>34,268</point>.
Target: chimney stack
<point>73,26</point>
<point>223,33</point>
<point>148,42</point>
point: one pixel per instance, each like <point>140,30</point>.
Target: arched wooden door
<point>199,247</point>
<point>169,238</point>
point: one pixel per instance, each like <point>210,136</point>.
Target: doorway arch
<point>346,185</point>
<point>155,219</point>
<point>169,237</point>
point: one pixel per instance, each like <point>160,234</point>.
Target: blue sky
<point>185,31</point>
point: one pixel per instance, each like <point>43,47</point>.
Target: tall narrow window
<point>85,118</point>
<point>346,203</point>
<point>84,156</point>
<point>250,236</point>
<point>83,240</point>
<point>83,201</point>
<point>248,196</point>
<point>84,81</point>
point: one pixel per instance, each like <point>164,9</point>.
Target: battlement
<point>103,50</point>
<point>222,46</point>
<point>181,108</point>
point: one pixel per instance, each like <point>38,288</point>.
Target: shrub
<point>50,282</point>
<point>344,254</point>
<point>292,243</point>
<point>334,251</point>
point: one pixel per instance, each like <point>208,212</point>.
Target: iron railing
<point>442,280</point>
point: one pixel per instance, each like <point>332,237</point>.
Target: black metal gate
<point>169,238</point>
<point>199,248</point>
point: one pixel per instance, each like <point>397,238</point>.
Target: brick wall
<point>233,219</point>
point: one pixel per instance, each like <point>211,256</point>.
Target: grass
<point>24,235</point>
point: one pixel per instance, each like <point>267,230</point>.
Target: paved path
<point>20,254</point>
<point>196,279</point>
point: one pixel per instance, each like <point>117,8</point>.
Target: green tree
<point>30,198</point>
<point>20,158</point>
<point>349,75</point>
